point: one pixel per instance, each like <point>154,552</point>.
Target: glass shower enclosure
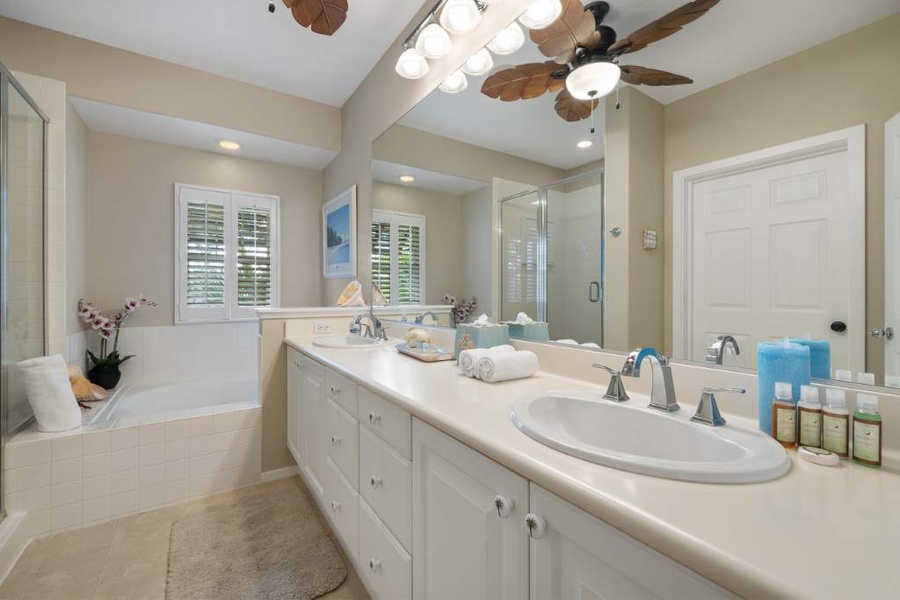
<point>551,254</point>
<point>23,130</point>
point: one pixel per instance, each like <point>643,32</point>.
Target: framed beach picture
<point>339,236</point>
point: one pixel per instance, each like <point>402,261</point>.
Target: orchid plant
<point>108,328</point>
<point>462,309</point>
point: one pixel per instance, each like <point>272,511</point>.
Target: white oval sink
<point>634,438</point>
<point>348,341</point>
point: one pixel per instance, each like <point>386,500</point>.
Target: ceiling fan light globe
<point>455,83</point>
<point>541,13</point>
<point>411,65</point>
<point>433,42</point>
<point>593,80</point>
<point>460,16</point>
<point>479,63</point>
<point>509,40</point>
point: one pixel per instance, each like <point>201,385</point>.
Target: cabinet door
<point>295,383</point>
<point>312,422</point>
<point>462,546</point>
<point>579,556</point>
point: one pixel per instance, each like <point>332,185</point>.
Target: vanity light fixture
<point>455,83</point>
<point>433,42</point>
<point>479,63</point>
<point>585,144</point>
<point>411,64</point>
<point>407,178</point>
<point>460,16</point>
<point>229,145</point>
<point>541,14</point>
<point>593,80</point>
<point>508,40</point>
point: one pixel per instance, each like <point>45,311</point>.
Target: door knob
<point>537,526</point>
<point>887,333</point>
<point>838,326</point>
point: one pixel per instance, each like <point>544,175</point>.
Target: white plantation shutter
<point>226,254</point>
<point>398,256</point>
<point>381,256</point>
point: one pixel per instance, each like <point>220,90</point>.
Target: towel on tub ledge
<point>505,366</point>
<point>47,387</point>
<point>469,358</point>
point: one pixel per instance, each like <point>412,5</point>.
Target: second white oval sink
<point>348,341</point>
<point>634,438</point>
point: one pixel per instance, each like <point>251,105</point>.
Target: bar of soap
<point>416,336</point>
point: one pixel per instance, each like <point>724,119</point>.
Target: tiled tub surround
<point>102,471</point>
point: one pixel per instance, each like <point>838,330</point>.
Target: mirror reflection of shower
<point>551,257</point>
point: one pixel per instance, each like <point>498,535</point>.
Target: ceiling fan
<point>322,16</point>
<point>585,55</point>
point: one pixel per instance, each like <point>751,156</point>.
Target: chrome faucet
<point>615,391</point>
<point>374,328</point>
<point>662,392</point>
<point>707,409</point>
<point>421,318</point>
<point>716,352</point>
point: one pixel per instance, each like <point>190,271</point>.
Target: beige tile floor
<point>125,558</point>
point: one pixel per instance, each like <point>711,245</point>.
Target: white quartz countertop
<point>823,532</point>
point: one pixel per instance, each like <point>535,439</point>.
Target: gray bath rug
<point>268,545</point>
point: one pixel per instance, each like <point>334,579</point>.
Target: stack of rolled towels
<point>500,363</point>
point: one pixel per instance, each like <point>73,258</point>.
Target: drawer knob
<point>335,390</point>
<point>335,440</point>
<point>504,506</point>
<point>335,506</point>
<point>375,481</point>
<point>374,564</point>
<point>374,418</point>
<point>537,526</point>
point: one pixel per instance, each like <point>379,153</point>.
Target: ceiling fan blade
<point>643,76</point>
<point>663,27</point>
<point>322,16</point>
<point>523,82</point>
<point>573,28</point>
<point>571,109</point>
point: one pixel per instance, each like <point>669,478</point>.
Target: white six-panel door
<point>892,249</point>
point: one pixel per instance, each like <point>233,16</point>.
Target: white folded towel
<point>506,365</point>
<point>567,341</point>
<point>46,383</point>
<point>590,345</point>
<point>469,358</point>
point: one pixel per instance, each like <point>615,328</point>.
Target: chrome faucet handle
<point>615,391</point>
<point>708,411</point>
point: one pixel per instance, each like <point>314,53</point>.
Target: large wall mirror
<point>759,201</point>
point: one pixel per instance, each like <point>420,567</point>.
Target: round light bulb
<point>479,63</point>
<point>593,80</point>
<point>460,16</point>
<point>455,83</point>
<point>433,42</point>
<point>585,144</point>
<point>541,13</point>
<point>508,40</point>
<point>411,65</point>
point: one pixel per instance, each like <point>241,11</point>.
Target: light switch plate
<point>650,239</point>
<point>320,327</point>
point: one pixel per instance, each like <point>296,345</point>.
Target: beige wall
<point>131,219</point>
<point>77,227</point>
<point>477,240</point>
<point>844,82</point>
<point>443,233</point>
<point>106,74</point>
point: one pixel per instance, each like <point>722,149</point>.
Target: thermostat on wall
<point>650,239</point>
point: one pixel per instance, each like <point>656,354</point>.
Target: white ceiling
<point>388,172</point>
<point>107,118</point>
<point>735,37</point>
<point>237,39</point>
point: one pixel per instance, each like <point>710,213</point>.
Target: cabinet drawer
<point>388,420</point>
<point>342,441</point>
<point>385,481</point>
<point>342,391</point>
<point>341,504</point>
<point>387,566</point>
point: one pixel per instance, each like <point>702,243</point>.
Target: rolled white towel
<point>469,358</point>
<point>567,341</point>
<point>590,345</point>
<point>504,366</point>
<point>46,383</point>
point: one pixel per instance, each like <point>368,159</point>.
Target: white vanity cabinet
<point>576,555</point>
<point>310,411</point>
<point>296,365</point>
<point>464,546</point>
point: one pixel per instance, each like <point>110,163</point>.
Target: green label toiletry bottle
<point>836,423</point>
<point>784,412</point>
<point>867,431</point>
<point>809,413</point>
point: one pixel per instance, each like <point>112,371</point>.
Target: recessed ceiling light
<point>585,144</point>
<point>407,178</point>
<point>229,145</point>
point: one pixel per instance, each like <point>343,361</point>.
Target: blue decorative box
<point>538,332</point>
<point>479,336</point>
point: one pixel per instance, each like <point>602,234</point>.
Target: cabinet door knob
<point>375,481</point>
<point>537,526</point>
<point>504,506</point>
<point>335,390</point>
<point>335,440</point>
<point>374,418</point>
<point>335,505</point>
<point>374,564</point>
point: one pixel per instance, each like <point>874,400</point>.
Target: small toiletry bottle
<point>843,375</point>
<point>865,378</point>
<point>809,417</point>
<point>784,422</point>
<point>836,423</point>
<point>867,431</point>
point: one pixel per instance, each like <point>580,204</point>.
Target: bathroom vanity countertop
<point>825,532</point>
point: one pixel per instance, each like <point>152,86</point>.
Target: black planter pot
<point>105,377</point>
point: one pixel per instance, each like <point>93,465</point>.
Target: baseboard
<point>281,473</point>
<point>13,539</point>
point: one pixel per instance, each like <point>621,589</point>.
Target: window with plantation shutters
<point>226,254</point>
<point>398,256</point>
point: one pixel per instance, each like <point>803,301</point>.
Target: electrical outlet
<point>320,327</point>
